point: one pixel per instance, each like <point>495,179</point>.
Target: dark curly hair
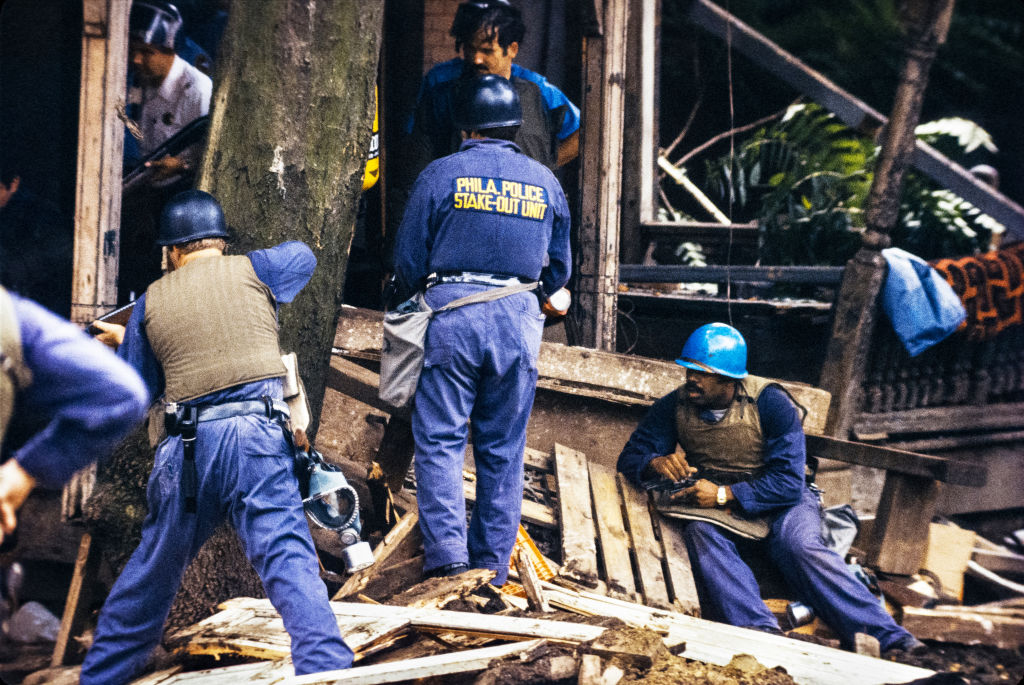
<point>498,18</point>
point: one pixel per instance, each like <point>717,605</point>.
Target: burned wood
<point>437,592</point>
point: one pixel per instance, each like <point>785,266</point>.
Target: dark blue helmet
<point>154,22</point>
<point>191,215</point>
<point>487,101</point>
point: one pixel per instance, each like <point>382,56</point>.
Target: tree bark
<point>291,124</point>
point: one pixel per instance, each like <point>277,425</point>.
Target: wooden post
<point>604,63</point>
<point>79,597</point>
<point>927,22</point>
<point>100,148</point>
<point>899,536</point>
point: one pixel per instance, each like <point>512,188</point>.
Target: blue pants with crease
<point>819,577</point>
<point>244,474</point>
<point>480,367</point>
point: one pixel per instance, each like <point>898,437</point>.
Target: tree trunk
<point>291,123</point>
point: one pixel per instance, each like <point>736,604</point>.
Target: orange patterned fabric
<point>991,286</point>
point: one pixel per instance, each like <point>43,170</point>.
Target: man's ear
<point>15,182</point>
<point>513,49</point>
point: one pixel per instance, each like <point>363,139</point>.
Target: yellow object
<point>372,171</point>
<point>544,572</point>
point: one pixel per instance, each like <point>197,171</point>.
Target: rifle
<point>118,316</point>
<point>189,135</point>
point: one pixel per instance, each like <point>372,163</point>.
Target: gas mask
<point>333,505</point>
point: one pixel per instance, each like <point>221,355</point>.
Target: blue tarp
<point>921,305</point>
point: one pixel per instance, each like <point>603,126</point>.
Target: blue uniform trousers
<point>818,576</point>
<point>244,473</point>
<point>481,366</point>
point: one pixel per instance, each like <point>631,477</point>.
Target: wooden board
<point>532,512</point>
<point>899,536</point>
<point>455,663</point>
<point>718,643</point>
<point>949,549</point>
<point>645,545</point>
<point>965,627</point>
<point>611,530</point>
<point>682,586</point>
<point>579,549</point>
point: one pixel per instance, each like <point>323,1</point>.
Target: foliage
<point>806,181</point>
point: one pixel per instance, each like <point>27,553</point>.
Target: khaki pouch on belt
<point>730,519</point>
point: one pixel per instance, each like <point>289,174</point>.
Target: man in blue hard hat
<point>485,217</point>
<point>205,337</point>
<point>739,438</point>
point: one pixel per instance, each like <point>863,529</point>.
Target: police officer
<point>488,33</point>
<point>65,401</point>
<point>487,216</point>
<point>205,336</point>
<point>171,92</point>
<point>742,437</point>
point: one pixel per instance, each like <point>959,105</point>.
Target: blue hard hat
<point>487,101</point>
<point>715,348</point>
<point>191,215</point>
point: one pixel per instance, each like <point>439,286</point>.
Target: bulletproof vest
<point>736,443</point>
<point>212,324</point>
<point>14,375</point>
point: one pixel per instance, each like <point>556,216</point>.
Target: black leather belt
<point>268,407</point>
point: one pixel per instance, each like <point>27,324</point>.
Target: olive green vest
<point>212,324</point>
<point>736,443</point>
<point>14,375</point>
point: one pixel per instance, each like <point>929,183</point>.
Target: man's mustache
<point>691,387</point>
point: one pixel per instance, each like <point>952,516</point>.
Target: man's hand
<point>704,494</point>
<point>111,334</point>
<point>15,484</point>
<point>673,466</point>
<point>166,167</point>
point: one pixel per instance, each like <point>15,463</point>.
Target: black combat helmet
<point>487,101</point>
<point>191,215</point>
<point>154,22</point>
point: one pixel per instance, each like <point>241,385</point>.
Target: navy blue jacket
<point>81,402</point>
<point>782,482</point>
<point>488,208</point>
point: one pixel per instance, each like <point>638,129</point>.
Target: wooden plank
<point>681,584</point>
<point>465,662</point>
<point>384,555</point>
<point>76,607</point>
<point>619,378</point>
<point>645,545</point>
<point>576,519</point>
<point>899,536</point>
<point>949,550</point>
<point>942,419</point>
<point>611,530</point>
<point>532,512</point>
<point>678,273</point>
<point>530,581</point>
<point>950,471</point>
<point>965,627</point>
<point>718,643</point>
<point>436,592</point>
<point>538,460</point>
<point>999,561</point>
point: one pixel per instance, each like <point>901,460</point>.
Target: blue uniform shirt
<point>84,397</point>
<point>285,268</point>
<point>488,208</point>
<point>552,96</point>
<point>782,482</point>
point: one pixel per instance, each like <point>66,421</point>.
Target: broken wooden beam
<point>397,545</point>
<point>457,663</point>
<point>952,471</point>
<point>965,626</point>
